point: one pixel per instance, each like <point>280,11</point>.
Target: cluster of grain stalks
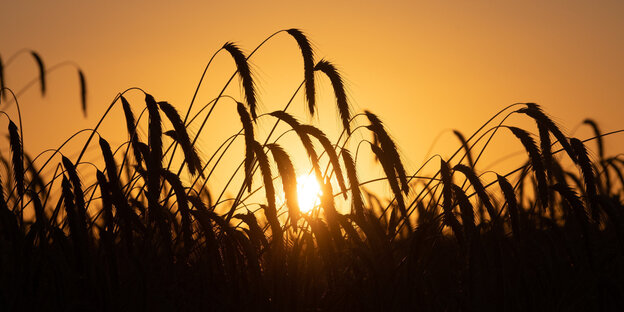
<point>137,236</point>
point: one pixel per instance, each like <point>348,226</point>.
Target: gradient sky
<point>423,66</point>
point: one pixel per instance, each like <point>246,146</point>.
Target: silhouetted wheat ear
<point>601,154</point>
<point>588,176</point>
<point>289,181</point>
<point>17,155</point>
<point>535,111</point>
<point>3,95</point>
<point>155,131</point>
<point>388,146</point>
<point>130,126</point>
<point>466,209</point>
<point>249,139</point>
<point>154,163</point>
<point>109,161</point>
<point>386,163</point>
<point>41,67</point>
<point>354,184</point>
<point>477,185</point>
<point>305,141</point>
<point>331,153</point>
<point>536,162</point>
<point>512,204</point>
<point>598,135</point>
<point>176,184</point>
<point>78,193</point>
<point>265,169</point>
<point>447,202</point>
<point>339,91</point>
<point>308,66</point>
<point>83,92</point>
<point>545,143</point>
<point>245,76</point>
<point>466,147</point>
<point>70,209</point>
<point>190,153</point>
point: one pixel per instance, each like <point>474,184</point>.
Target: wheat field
<point>145,228</point>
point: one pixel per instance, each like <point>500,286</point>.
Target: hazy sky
<point>422,66</point>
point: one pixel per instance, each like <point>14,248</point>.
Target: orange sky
<point>423,67</point>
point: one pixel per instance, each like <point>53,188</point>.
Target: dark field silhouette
<point>132,235</point>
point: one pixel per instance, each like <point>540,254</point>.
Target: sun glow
<point>308,192</point>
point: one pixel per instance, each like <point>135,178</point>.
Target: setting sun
<point>308,192</point>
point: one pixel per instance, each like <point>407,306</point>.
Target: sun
<point>308,192</point>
